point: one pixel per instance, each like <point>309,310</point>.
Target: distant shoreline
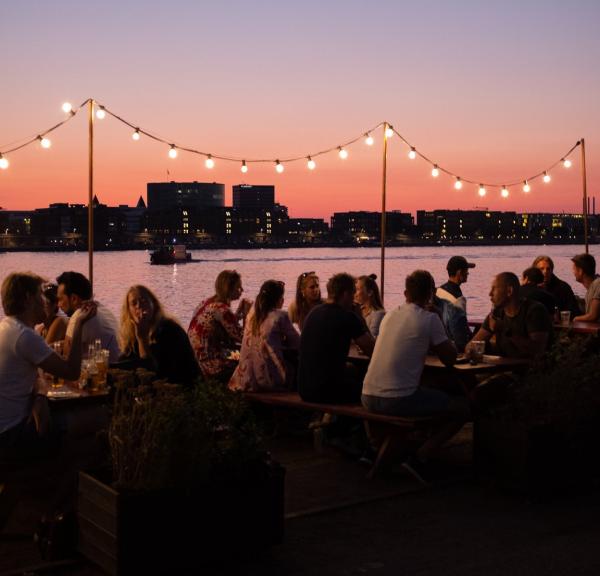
<point>283,246</point>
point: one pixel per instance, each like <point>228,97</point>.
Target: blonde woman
<point>150,338</point>
<point>308,295</point>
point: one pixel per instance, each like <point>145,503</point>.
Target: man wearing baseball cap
<point>458,272</point>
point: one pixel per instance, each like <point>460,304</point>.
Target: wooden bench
<point>390,424</point>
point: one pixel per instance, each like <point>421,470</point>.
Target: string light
<point>504,192</point>
<point>482,191</point>
<point>389,131</point>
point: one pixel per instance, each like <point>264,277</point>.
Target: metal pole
<point>91,191</point>
<point>383,190</point>
<point>585,199</point>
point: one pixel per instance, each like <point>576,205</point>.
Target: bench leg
<point>380,455</point>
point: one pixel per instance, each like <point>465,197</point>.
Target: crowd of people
<point>261,347</point>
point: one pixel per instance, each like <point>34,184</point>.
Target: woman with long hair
<point>54,326</point>
<point>150,338</point>
<point>268,332</point>
<point>215,329</point>
<point>368,298</point>
<point>308,295</point>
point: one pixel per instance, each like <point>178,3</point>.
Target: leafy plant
<point>561,388</point>
<point>165,436</point>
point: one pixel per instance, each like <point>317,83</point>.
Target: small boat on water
<point>176,254</point>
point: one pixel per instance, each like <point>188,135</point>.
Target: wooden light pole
<point>91,191</point>
<point>383,191</point>
<point>585,198</point>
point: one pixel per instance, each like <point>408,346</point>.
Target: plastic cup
<point>565,317</point>
<point>477,350</point>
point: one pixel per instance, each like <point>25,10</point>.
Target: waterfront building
<point>307,230</point>
<point>166,195</point>
<point>364,226</point>
<point>253,196</point>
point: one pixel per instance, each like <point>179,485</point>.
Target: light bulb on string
<point>343,153</point>
<point>311,164</point>
<point>209,162</point>
<point>44,142</point>
<point>482,191</point>
<point>172,151</point>
<point>3,162</point>
<point>504,192</point>
<point>136,134</point>
<point>526,187</point>
<point>244,168</point>
<point>412,153</point>
<point>567,163</point>
<point>279,167</point>
<point>389,131</point>
<point>67,108</point>
<point>458,184</point>
<point>435,171</point>
<point>100,113</point>
<point>546,177</point>
<point>369,139</point>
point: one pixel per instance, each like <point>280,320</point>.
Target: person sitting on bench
<point>392,384</point>
<point>324,375</point>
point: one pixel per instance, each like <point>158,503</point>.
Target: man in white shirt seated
<point>392,384</point>
<point>74,289</point>
<point>23,412</point>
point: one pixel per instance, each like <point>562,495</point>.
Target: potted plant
<point>187,480</point>
<point>540,440</point>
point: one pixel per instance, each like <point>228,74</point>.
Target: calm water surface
<point>181,286</point>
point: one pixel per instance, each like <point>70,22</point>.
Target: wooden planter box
<point>166,532</point>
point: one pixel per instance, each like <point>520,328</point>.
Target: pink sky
<point>490,93</point>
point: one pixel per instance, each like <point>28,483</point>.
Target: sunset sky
<point>491,90</point>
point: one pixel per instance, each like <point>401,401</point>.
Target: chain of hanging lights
<point>209,162</point>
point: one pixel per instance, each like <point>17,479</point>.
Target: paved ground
<point>341,524</point>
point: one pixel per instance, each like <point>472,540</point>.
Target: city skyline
<point>493,93</point>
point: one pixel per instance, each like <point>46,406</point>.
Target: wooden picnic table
<point>585,328</point>
<point>488,364</point>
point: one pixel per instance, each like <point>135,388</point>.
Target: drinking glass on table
<point>565,317</point>
<point>57,346</point>
<point>477,350</point>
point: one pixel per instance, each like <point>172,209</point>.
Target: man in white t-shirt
<point>23,412</point>
<point>73,289</point>
<point>392,384</point>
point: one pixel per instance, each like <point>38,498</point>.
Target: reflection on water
<point>182,286</point>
